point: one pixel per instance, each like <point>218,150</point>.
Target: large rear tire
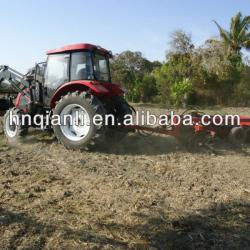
<point>82,107</point>
<point>116,133</point>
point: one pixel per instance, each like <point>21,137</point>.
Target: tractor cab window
<point>81,66</point>
<point>40,71</point>
<point>57,70</point>
<point>101,67</point>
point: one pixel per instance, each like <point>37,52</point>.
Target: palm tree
<point>238,36</point>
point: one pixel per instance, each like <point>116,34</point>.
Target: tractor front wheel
<point>14,130</point>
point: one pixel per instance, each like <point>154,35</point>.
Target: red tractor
<point>74,81</point>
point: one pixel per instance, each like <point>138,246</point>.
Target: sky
<point>30,28</point>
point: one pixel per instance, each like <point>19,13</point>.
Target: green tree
<point>238,36</point>
<point>133,70</point>
<point>242,90</point>
<point>128,65</point>
<point>216,72</point>
<point>213,69</point>
<point>180,92</point>
<point>147,88</point>
<point>177,68</point>
<point>181,42</point>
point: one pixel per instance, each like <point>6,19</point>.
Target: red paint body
<point>23,100</point>
<point>79,46</point>
<point>102,89</point>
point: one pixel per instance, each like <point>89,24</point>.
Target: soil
<point>147,192</point>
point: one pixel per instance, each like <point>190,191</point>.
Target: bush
<point>181,91</point>
<point>242,90</point>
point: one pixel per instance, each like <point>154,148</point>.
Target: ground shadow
<point>149,144</point>
<point>30,227</point>
<point>136,144</point>
<point>223,226</point>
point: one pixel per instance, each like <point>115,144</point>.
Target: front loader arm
<point>21,84</point>
<point>16,79</point>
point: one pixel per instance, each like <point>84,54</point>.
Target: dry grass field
<point>143,193</point>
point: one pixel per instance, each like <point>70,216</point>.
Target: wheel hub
<point>11,127</point>
<point>76,126</point>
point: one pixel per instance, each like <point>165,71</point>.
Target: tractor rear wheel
<point>14,130</point>
<point>116,133</point>
<point>77,129</point>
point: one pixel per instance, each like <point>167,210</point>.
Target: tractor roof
<point>79,46</point>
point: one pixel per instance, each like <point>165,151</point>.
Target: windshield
<point>57,70</point>
<point>101,67</point>
<point>81,66</point>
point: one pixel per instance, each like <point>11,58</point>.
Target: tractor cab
<point>79,63</point>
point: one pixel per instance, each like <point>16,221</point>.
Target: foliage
<point>242,90</point>
<point>238,36</point>
<point>180,91</point>
<point>181,42</point>
<point>133,71</point>
<point>214,73</point>
<point>163,83</point>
